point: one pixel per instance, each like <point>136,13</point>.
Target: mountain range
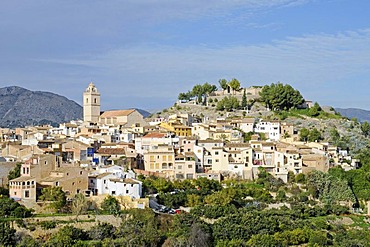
<point>20,107</point>
<point>360,114</point>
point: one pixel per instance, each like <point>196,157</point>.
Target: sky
<point>143,53</point>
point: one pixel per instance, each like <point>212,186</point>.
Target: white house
<point>270,128</point>
<point>115,181</point>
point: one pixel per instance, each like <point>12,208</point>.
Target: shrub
<point>46,225</point>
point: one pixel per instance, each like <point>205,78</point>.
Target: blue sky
<point>143,53</point>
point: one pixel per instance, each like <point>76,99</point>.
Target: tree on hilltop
<point>223,84</point>
<point>281,97</point>
<point>235,85</point>
<point>200,92</point>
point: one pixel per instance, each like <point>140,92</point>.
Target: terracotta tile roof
<point>113,151</point>
<point>116,113</point>
<point>210,141</point>
<point>237,145</point>
<point>155,135</point>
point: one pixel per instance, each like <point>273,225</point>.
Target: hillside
<point>326,121</point>
<point>20,107</point>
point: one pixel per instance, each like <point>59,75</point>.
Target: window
<point>80,172</point>
<point>190,166</point>
<point>113,193</point>
<point>164,166</point>
<point>26,193</point>
<point>216,153</point>
<point>127,191</point>
<point>179,167</point>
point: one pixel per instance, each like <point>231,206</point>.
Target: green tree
<point>7,234</point>
<point>223,84</point>
<point>193,200</point>
<point>365,128</point>
<point>300,178</point>
<point>315,110</point>
<point>303,134</point>
<point>263,240</point>
<point>314,135</point>
<point>234,84</point>
<point>334,135</point>
<point>139,227</point>
<point>162,185</point>
<point>228,104</point>
<point>16,172</point>
<point>9,207</point>
<point>202,91</point>
<point>184,96</point>
<point>198,92</point>
<point>67,236</point>
<point>244,99</point>
<point>111,205</point>
<point>55,195</point>
<point>280,97</point>
<point>329,189</point>
<point>207,90</point>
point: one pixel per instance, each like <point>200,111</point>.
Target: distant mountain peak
<point>20,107</point>
<point>360,114</point>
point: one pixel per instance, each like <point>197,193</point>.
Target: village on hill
<point>119,156</point>
<point>102,154</point>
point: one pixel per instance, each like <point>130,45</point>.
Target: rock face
<point>20,107</point>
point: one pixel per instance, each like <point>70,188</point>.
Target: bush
<point>214,212</point>
<point>46,225</point>
<point>300,178</point>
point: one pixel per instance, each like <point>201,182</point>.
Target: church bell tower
<point>91,104</point>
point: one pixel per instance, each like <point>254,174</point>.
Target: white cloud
<point>312,62</point>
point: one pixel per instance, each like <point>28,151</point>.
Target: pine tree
<point>244,99</point>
